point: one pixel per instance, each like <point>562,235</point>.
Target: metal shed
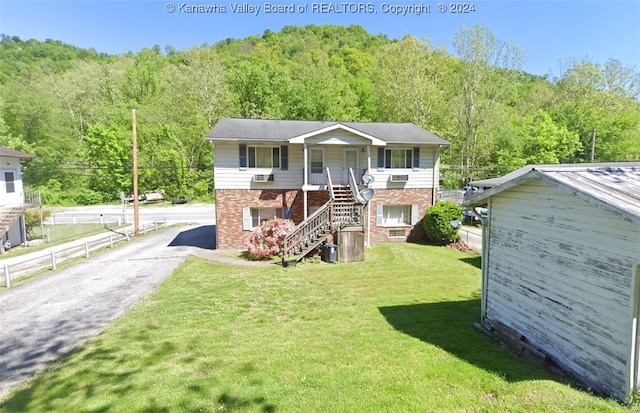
<point>561,267</point>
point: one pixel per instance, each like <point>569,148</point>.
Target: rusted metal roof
<point>12,153</point>
<point>614,186</point>
<point>233,129</point>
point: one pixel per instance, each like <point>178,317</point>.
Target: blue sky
<point>550,33</point>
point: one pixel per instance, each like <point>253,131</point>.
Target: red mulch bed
<point>460,246</point>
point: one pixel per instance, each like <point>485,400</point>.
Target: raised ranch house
<point>377,179</point>
<point>561,267</point>
<point>13,202</point>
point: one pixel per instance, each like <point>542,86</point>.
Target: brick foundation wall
<point>229,204</point>
<point>421,197</point>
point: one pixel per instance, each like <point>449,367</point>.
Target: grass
<point>391,334</point>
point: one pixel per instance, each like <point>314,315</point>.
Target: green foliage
<point>109,166</point>
<point>34,218</point>
<point>86,196</point>
<point>437,221</point>
<point>72,107</point>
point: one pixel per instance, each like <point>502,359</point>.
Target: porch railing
<point>307,233</point>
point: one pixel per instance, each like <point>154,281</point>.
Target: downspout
<point>434,192</point>
<point>305,182</point>
<point>215,198</point>
<point>486,231</point>
<point>368,241</point>
<point>486,235</point>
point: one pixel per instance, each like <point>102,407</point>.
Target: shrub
<point>266,240</point>
<point>437,221</point>
<point>32,219</point>
<point>86,196</point>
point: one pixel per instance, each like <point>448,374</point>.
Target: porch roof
<point>296,131</point>
<point>12,153</point>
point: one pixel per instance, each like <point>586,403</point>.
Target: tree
<point>109,160</point>
<point>540,141</point>
<point>487,67</point>
<point>408,82</point>
<point>598,103</point>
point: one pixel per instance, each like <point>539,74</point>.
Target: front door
<point>350,161</point>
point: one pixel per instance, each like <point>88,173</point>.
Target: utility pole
<point>136,216</point>
<point>593,147</point>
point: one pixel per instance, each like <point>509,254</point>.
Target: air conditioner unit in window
<point>399,178</point>
<point>263,178</point>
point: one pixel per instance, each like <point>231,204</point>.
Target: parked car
<point>155,196</point>
<point>129,198</point>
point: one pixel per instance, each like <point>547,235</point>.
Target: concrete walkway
<point>47,317</point>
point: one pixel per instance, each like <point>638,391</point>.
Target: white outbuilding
<point>561,267</point>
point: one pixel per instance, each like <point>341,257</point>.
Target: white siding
<point>228,175</point>
<point>419,178</point>
<point>559,272</point>
<point>16,197</point>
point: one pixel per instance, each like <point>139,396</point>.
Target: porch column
<point>305,180</point>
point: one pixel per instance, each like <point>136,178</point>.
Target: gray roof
<point>231,129</point>
<point>12,153</point>
<point>614,186</point>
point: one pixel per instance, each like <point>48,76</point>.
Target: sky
<point>551,34</point>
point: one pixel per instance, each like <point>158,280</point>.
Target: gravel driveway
<point>46,318</point>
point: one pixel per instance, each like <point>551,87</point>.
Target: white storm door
<point>350,161</point>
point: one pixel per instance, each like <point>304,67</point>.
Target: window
<point>317,162</point>
<point>253,217</point>
<point>9,179</point>
<point>264,157</point>
<point>396,215</point>
<point>398,158</point>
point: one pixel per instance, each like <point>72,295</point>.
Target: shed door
<point>9,178</point>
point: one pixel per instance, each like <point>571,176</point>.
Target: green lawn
<point>391,334</point>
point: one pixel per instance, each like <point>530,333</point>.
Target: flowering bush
<point>266,240</point>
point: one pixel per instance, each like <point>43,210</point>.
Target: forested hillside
<point>72,107</point>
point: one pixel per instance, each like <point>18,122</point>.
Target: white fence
<point>49,260</point>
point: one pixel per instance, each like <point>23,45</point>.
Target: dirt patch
<point>460,246</point>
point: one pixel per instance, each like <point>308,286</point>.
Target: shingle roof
<point>285,130</point>
<point>614,186</point>
<point>12,153</point>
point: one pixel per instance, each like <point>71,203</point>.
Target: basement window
<point>397,233</point>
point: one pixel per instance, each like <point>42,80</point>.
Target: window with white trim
<point>396,215</point>
<point>398,158</point>
<point>316,161</point>
<point>253,217</point>
<point>393,215</point>
<point>263,157</point>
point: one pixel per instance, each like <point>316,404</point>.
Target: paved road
<point>472,236</point>
<point>47,317</point>
<point>188,213</point>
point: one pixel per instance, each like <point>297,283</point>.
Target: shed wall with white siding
<point>561,271</point>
